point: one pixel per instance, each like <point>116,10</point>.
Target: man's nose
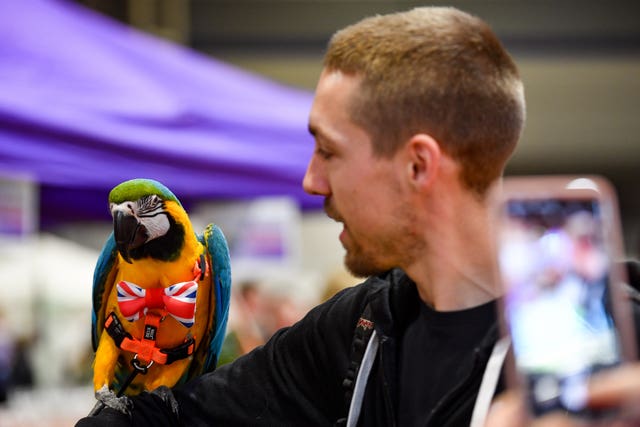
<point>314,181</point>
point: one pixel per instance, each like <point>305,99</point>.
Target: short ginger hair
<point>439,71</point>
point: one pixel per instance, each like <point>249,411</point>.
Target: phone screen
<point>554,264</point>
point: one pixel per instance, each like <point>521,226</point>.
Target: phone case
<point>558,252</point>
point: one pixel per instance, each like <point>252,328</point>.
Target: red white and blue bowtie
<point>178,300</point>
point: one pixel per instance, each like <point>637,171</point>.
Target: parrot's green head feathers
<point>135,189</point>
<point>148,220</point>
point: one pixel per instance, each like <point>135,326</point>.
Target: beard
<point>372,254</point>
<point>359,264</point>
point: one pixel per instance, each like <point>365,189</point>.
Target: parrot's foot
<point>108,398</point>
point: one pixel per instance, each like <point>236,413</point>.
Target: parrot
<point>161,294</point>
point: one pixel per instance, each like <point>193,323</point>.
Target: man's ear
<point>423,155</point>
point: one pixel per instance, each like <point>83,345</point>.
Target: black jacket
<point>296,379</point>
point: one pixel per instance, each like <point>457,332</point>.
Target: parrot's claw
<point>108,398</point>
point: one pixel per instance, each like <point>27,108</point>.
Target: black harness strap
<point>116,331</point>
<point>202,262</point>
<point>179,352</point>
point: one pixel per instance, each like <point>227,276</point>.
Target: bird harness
<point>177,300</point>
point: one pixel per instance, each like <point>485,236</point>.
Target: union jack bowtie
<point>178,300</point>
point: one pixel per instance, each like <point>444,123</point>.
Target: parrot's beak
<point>129,234</point>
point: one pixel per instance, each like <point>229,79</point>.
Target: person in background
<point>336,281</point>
<point>415,116</point>
<point>257,312</point>
<point>22,375</point>
<point>7,350</point>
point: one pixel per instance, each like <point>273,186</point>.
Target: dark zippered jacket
<point>296,378</point>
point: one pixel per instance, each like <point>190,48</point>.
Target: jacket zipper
<point>387,397</point>
<point>445,404</point>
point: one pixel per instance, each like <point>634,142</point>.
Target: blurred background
<point>211,97</point>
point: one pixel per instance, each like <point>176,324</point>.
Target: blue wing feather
<point>218,250</point>
<point>102,284</point>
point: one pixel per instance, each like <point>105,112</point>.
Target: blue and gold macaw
<point>160,293</point>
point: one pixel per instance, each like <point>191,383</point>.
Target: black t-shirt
<point>436,350</point>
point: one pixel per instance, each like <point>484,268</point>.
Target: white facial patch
<point>156,226</point>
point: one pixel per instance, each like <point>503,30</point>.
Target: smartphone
<point>558,253</point>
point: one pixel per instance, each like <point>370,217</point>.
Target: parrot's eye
<point>150,205</point>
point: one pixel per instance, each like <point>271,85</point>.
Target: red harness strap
<point>145,348</point>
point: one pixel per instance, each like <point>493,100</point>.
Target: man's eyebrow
<point>320,136</point>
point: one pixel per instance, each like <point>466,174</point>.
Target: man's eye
<point>323,153</point>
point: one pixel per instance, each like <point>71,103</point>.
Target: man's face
<point>363,191</point>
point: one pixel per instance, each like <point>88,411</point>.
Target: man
<point>415,116</point>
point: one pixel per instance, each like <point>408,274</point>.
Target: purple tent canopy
<point>86,102</point>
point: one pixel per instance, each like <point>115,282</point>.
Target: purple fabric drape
<point>87,102</point>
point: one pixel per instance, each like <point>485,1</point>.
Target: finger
<point>556,420</point>
<point>616,387</point>
<point>506,411</point>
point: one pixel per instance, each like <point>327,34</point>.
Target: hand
<point>617,388</point>
<point>508,411</point>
